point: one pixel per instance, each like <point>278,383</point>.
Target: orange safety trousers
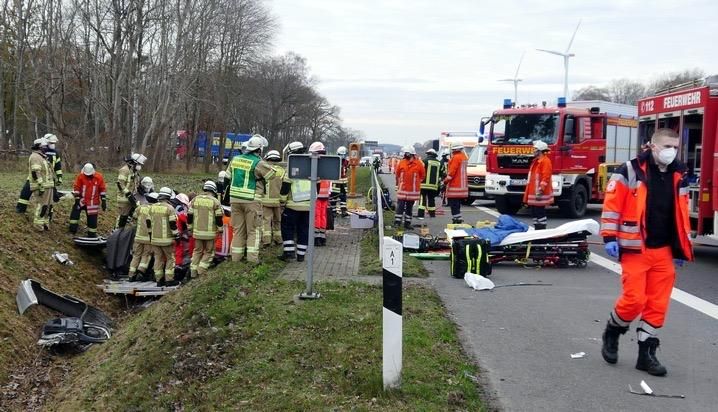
<point>647,279</point>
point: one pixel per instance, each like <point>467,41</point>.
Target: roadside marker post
<point>392,329</point>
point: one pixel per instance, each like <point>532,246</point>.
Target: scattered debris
<point>471,377</point>
<point>647,391</point>
<point>62,258</point>
<point>478,282</point>
<point>523,284</point>
<point>578,355</point>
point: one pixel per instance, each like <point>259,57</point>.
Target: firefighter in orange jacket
<point>90,194</point>
<point>539,193</point>
<point>409,174</point>
<point>645,224</point>
<point>456,181</point>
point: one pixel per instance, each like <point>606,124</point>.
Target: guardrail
<point>379,207</point>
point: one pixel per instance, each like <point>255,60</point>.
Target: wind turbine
<point>566,55</point>
<point>516,79</point>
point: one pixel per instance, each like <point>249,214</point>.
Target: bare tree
<point>626,91</point>
<point>592,93</point>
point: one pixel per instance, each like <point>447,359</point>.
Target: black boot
<point>647,360</point>
<point>540,226</point>
<point>161,282</point>
<point>286,256</point>
<point>609,350</point>
<point>300,258</point>
<point>408,226</point>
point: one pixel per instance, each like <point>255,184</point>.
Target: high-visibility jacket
<point>433,169</point>
<point>539,191</point>
<point>43,178</point>
<point>126,182</point>
<point>325,188</point>
<point>409,175</point>
<point>273,187</point>
<point>624,209</point>
<point>223,242</point>
<point>248,173</point>
<point>295,193</point>
<point>163,224</point>
<point>142,232</point>
<point>90,190</point>
<point>457,184</point>
<point>205,217</point>
<point>53,158</point>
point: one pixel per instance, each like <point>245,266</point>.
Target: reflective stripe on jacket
<point>142,233</point>
<point>624,208</point>
<point>90,190</point>
<point>409,175</point>
<point>433,169</point>
<point>325,188</point>
<point>244,182</point>
<point>205,210</point>
<point>273,187</point>
<point>38,163</point>
<point>126,180</point>
<point>458,183</point>
<point>161,214</point>
<point>539,191</point>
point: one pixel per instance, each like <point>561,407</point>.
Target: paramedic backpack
<point>470,255</point>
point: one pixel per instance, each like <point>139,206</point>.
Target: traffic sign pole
<point>309,292</point>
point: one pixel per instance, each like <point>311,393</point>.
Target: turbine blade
<point>552,52</point>
<point>519,66</point>
<point>505,80</point>
<point>574,36</point>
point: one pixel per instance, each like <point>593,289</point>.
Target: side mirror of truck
<point>482,128</point>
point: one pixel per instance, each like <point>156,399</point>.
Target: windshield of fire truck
<point>523,129</point>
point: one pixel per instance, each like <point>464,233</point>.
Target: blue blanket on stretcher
<point>505,226</point>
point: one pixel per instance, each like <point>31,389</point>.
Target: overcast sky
<point>403,71</point>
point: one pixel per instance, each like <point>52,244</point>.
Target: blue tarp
<point>505,226</point>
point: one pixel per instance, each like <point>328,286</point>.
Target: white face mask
<point>666,156</point>
<point>51,146</point>
<point>138,167</point>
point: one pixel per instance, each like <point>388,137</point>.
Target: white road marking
<point>693,302</point>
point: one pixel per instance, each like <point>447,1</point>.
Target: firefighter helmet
<point>317,147</point>
<point>138,158</point>
<point>164,193</point>
<point>295,147</point>
<point>273,156</point>
<point>209,186</point>
<point>51,138</point>
<point>255,143</point>
<point>431,152</point>
<point>88,169</point>
<point>457,146</point>
<point>408,149</point>
<point>342,151</point>
<point>540,145</point>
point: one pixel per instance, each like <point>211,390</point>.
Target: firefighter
<point>295,217</point>
<point>222,184</point>
<point>457,185</point>
<point>271,206</point>
<point>162,222</point>
<point>322,202</point>
<point>146,187</point>
<point>127,186</point>
<point>377,164</point>
<point>645,225</point>
<point>442,172</point>
<point>42,184</point>
<point>248,173</point>
<point>205,221</point>
<point>339,187</point>
<point>539,192</point>
<point>53,157</point>
<point>409,174</point>
<point>142,245</point>
<point>430,185</point>
<point>90,194</point>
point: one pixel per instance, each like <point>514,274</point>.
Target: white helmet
<point>138,158</point>
<point>209,186</point>
<point>408,149</point>
<point>88,169</point>
<point>273,156</point>
<point>51,138</point>
<point>431,152</point>
<point>164,193</point>
<point>255,143</point>
<point>295,147</point>
<point>457,146</point>
<point>265,142</point>
<point>317,147</point>
<point>342,151</point>
<point>222,175</point>
<point>147,184</point>
<point>41,142</point>
<point>540,145</point>
<point>183,198</point>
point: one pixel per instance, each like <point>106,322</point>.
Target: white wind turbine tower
<point>516,79</point>
<point>566,55</point>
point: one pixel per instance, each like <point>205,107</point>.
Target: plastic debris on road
<point>62,258</point>
<point>478,282</point>
<point>647,391</point>
<point>578,355</point>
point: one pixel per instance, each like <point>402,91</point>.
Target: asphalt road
<point>522,337</point>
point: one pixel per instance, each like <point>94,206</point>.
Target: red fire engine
<point>692,111</point>
<point>587,139</point>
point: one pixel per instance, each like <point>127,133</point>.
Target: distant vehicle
<point>476,171</point>
<point>366,161</point>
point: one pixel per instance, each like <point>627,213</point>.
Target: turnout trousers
<point>24,199</point>
<point>320,219</point>
<point>164,262</point>
<point>295,223</point>
<point>201,256</point>
<point>403,210</point>
<point>141,255</point>
<point>427,202</point>
<point>539,215</point>
<point>271,229</point>
<point>247,224</point>
<point>91,221</point>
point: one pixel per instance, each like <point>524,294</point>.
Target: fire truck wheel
<point>508,205</point>
<point>576,204</point>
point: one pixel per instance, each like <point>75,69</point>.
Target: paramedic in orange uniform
<point>539,193</point>
<point>456,181</point>
<point>645,225</point>
<point>409,174</point>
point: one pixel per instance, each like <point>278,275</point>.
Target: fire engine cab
<point>691,110</point>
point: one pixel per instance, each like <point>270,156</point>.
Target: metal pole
<point>516,90</point>
<point>565,77</point>
<point>309,293</point>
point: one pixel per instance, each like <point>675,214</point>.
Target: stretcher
<point>124,287</point>
<point>564,246</point>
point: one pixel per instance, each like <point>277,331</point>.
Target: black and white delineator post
<point>313,167</point>
<point>392,265</point>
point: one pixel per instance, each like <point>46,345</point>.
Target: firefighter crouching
<point>42,184</point>
<point>430,185</point>
<point>409,175</point>
<point>142,245</point>
<point>162,222</point>
<point>295,217</point>
<point>271,206</point>
<point>204,220</point>
<point>127,186</point>
<point>457,185</point>
<point>539,191</point>
<point>90,194</point>
<point>645,224</point>
<point>248,172</point>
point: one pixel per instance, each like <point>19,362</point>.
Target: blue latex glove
<point>679,262</point>
<point>612,249</point>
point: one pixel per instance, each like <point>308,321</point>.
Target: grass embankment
<point>238,339</point>
<point>369,258</point>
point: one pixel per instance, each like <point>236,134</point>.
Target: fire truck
<point>691,110</point>
<point>587,141</point>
